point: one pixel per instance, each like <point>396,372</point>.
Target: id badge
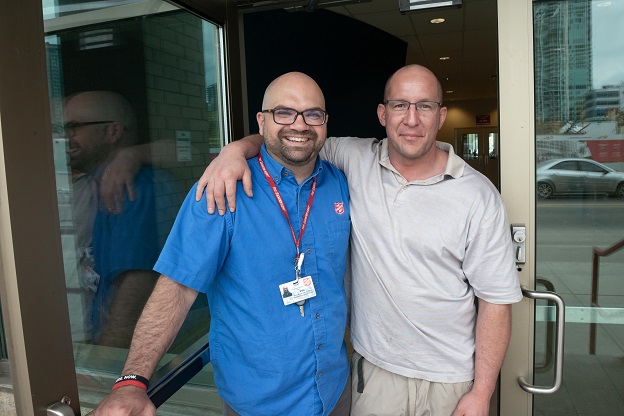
<point>297,290</point>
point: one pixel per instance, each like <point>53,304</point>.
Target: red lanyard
<point>280,202</point>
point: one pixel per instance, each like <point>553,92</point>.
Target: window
<point>155,82</point>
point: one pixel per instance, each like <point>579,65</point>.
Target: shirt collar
<point>278,171</point>
<point>454,166</point>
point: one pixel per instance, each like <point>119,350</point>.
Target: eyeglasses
<point>402,106</point>
<point>288,116</point>
<point>70,127</point>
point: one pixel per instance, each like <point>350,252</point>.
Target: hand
<point>471,404</point>
<point>118,176</point>
<point>125,401</point>
<point>220,179</point>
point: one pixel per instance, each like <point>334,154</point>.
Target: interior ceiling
<point>468,37</point>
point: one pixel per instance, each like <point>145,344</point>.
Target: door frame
<point>30,248</point>
<point>32,270</point>
<point>517,178</point>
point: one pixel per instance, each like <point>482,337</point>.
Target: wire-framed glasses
<point>288,116</point>
<point>402,106</point>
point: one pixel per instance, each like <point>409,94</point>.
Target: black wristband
<point>134,377</point>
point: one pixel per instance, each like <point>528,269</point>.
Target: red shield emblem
<point>339,207</point>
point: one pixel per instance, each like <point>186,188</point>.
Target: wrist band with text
<point>131,380</point>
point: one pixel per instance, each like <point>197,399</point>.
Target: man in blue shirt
<point>116,250</point>
<point>293,236</point>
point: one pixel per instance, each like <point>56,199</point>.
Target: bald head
<point>105,105</point>
<point>103,121</point>
<point>411,74</point>
<point>293,87</point>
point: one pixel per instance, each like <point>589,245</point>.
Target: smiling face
<point>297,145</point>
<point>411,135</point>
<point>88,145</point>
<point>103,121</point>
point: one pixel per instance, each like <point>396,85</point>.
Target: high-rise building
<point>605,103</point>
<point>563,61</point>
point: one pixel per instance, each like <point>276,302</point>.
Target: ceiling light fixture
<point>444,58</point>
<point>437,20</point>
<point>411,5</point>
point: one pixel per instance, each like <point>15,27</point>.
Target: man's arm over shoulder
<point>160,321</point>
<point>225,170</point>
<point>339,150</point>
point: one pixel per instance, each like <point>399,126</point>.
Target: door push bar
<point>560,320</point>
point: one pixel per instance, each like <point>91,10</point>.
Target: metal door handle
<point>60,408</point>
<point>560,307</point>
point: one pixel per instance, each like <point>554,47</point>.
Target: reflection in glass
<point>579,102</point>
<point>154,85</point>
<point>56,8</point>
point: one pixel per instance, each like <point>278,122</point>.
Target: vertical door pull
<point>559,336</point>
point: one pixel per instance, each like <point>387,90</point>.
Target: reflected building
<point>563,62</point>
<point>606,103</point>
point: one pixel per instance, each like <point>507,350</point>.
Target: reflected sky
<point>608,42</point>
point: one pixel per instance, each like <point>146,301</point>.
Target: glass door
<point>479,148</point>
<point>158,77</point>
<point>136,89</point>
<point>579,138</point>
<point>561,170</point>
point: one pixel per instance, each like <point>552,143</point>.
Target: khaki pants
<point>377,392</point>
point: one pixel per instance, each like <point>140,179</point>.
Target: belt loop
<point>360,373</point>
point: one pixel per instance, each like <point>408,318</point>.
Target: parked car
<point>578,177</point>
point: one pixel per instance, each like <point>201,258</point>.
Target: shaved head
<point>292,85</point>
<point>413,72</point>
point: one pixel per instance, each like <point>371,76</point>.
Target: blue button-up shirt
<point>122,242</point>
<point>267,358</point>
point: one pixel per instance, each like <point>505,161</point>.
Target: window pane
<point>141,96</point>
<point>579,102</point>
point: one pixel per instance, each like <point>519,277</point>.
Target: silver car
<point>578,177</point>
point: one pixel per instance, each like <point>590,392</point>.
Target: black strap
<point>360,373</point>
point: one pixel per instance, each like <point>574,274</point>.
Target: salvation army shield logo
<point>339,207</point>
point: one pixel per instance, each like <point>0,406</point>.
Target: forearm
<point>492,340</point>
<point>160,321</point>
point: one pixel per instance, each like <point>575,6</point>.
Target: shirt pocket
<point>339,232</point>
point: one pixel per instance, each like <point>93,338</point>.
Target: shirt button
<point>319,375</point>
<point>320,347</point>
<point>285,173</point>
<point>318,315</point>
<point>309,251</point>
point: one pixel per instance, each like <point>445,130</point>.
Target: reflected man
<point>116,262</point>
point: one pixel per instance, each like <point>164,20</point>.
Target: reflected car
<point>578,177</point>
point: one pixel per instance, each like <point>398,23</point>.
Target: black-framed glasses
<point>288,116</point>
<point>423,107</point>
<point>70,127</point>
